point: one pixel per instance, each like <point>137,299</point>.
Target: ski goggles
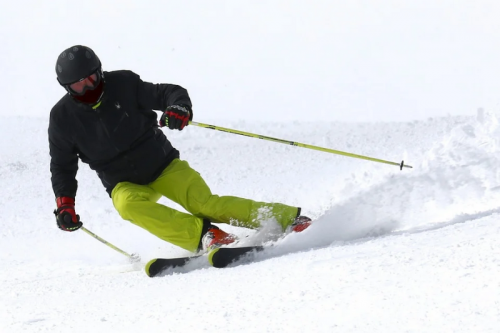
<point>90,82</point>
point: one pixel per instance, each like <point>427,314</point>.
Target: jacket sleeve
<point>63,161</point>
<point>160,96</point>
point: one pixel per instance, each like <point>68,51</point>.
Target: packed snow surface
<point>412,250</point>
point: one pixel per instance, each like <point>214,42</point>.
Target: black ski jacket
<point>120,139</point>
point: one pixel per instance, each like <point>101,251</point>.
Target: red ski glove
<point>176,117</point>
<point>66,217</point>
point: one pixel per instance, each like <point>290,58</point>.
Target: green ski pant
<point>183,185</point>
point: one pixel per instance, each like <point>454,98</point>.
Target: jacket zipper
<point>112,143</point>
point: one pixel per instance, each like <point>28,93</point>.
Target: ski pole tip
<point>404,165</point>
<point>134,257</point>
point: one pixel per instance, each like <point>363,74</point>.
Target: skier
<point>106,120</point>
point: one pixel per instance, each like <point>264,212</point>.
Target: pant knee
<point>125,199</point>
<point>200,207</point>
<point>123,207</point>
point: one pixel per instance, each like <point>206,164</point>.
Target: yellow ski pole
<point>133,257</point>
<point>303,145</point>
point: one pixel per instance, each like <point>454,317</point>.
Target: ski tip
<point>211,256</point>
<point>147,269</point>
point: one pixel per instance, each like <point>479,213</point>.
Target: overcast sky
<point>285,59</point>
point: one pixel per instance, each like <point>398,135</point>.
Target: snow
<point>390,251</point>
<point>413,250</point>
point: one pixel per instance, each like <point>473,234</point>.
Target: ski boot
<point>215,237</point>
<point>301,223</point>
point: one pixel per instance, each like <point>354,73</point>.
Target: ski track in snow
<point>389,251</point>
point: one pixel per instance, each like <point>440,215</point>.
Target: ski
<point>219,258</point>
<point>155,266</point>
<point>222,257</point>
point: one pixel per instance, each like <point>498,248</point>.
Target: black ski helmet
<point>76,63</point>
